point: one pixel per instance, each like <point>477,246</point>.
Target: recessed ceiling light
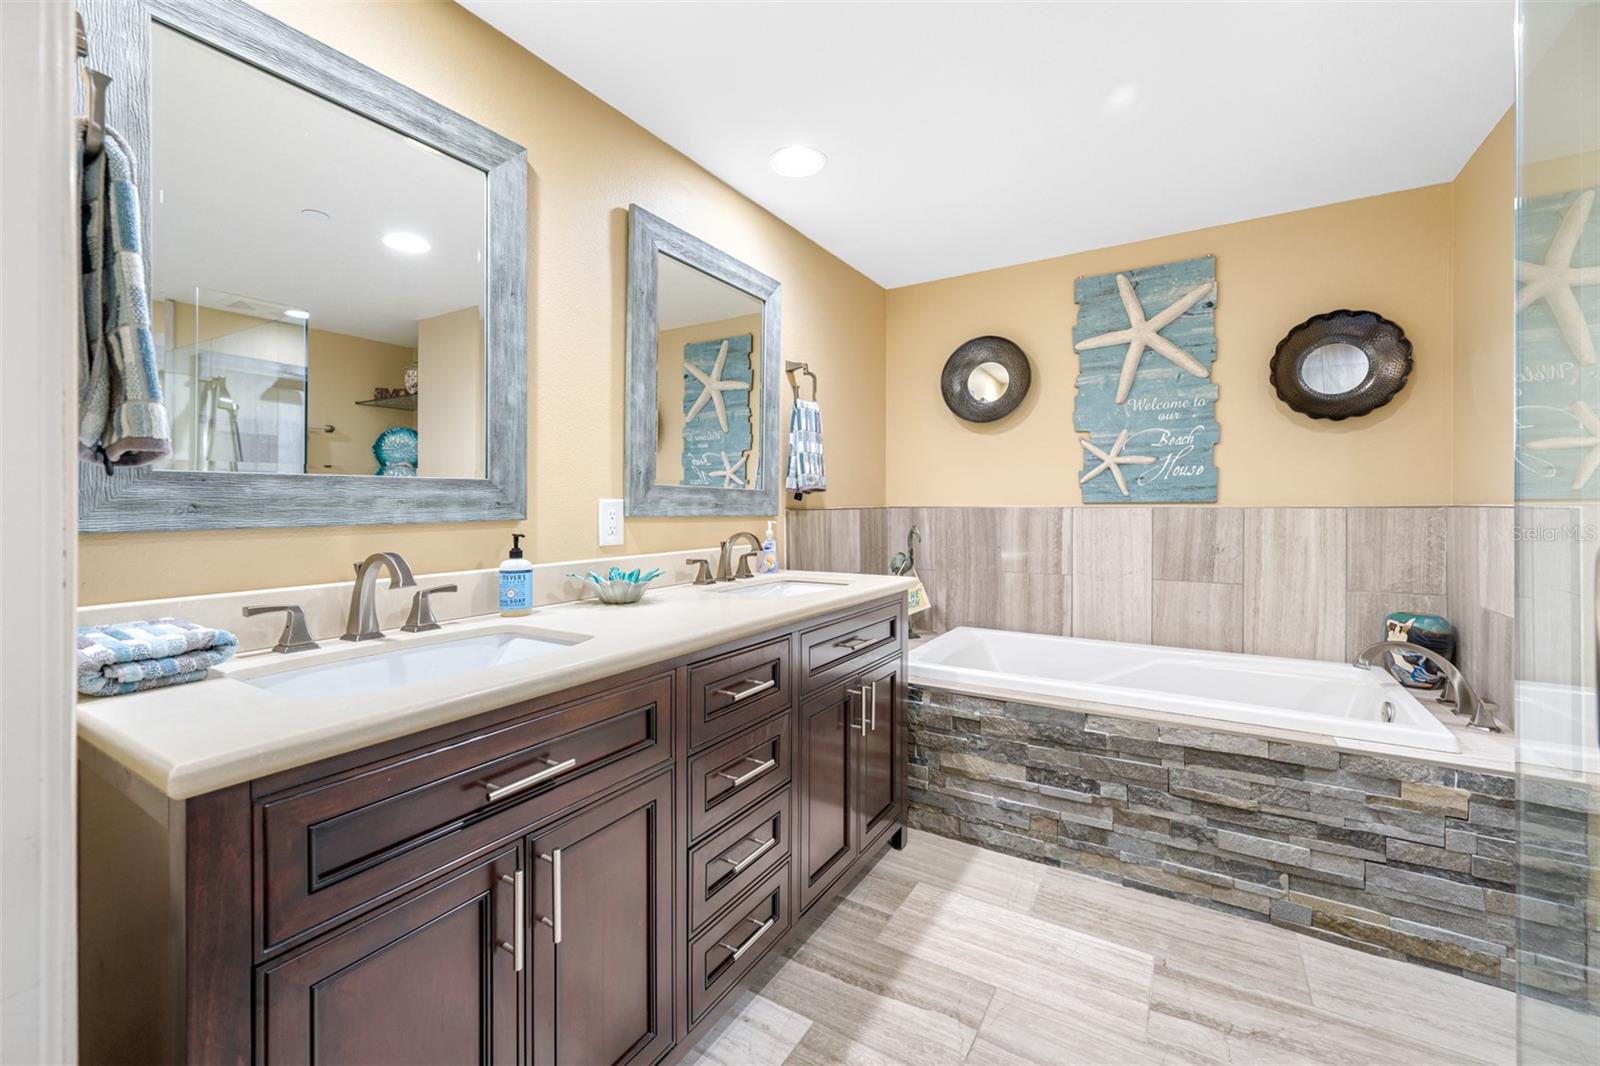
<point>797,161</point>
<point>311,214</point>
<point>1122,97</point>
<point>409,243</point>
<point>296,313</point>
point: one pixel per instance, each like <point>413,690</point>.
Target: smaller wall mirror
<point>702,377</point>
<point>1341,364</point>
<point>985,379</point>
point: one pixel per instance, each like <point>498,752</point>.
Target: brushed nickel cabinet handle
<point>749,775</point>
<point>554,922</point>
<point>750,942</point>
<point>754,688</point>
<point>499,792</point>
<point>744,864</point>
<point>864,693</point>
<point>874,705</point>
<point>516,946</point>
<point>852,643</point>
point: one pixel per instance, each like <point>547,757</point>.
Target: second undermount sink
<point>408,664</point>
<point>782,587</point>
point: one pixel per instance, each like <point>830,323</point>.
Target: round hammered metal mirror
<point>985,379</point>
<point>1341,365</point>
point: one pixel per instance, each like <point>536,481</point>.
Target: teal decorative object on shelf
<point>1425,630</point>
<point>619,586</point>
<point>396,452</point>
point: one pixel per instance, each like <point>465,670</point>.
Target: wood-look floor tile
<point>949,864</point>
<point>755,1030</point>
<point>1045,1030</point>
<point>824,1045</point>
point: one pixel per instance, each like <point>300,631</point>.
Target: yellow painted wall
<point>344,369</point>
<point>450,428</point>
<point>1390,254</point>
<point>1482,232</point>
<point>587,163</point>
<point>669,389</point>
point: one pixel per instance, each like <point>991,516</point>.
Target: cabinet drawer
<point>730,692</point>
<point>738,940</point>
<point>726,778</point>
<point>830,652</point>
<point>335,845</point>
<point>738,856</point>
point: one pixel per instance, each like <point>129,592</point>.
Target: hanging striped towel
<point>805,450</point>
<point>121,420</point>
<point>135,656</point>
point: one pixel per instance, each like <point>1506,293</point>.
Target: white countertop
<point>188,740</point>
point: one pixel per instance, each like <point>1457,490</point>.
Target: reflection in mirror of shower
<point>238,411</point>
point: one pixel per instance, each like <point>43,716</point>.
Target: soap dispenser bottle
<point>516,581</point>
<point>769,550</point>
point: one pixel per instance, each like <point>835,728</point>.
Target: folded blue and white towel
<point>805,450</point>
<point>121,419</point>
<point>135,656</point>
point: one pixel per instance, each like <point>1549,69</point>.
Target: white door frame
<point>38,535</point>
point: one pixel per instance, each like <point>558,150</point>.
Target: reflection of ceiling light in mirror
<point>797,161</point>
<point>409,243</point>
<point>297,313</point>
<point>311,214</point>
<point>1122,98</point>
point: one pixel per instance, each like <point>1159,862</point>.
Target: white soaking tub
<point>1335,701</point>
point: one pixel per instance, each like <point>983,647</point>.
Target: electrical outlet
<point>610,522</point>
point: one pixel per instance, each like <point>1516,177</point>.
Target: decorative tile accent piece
<point>1402,858</point>
<point>1146,342</point>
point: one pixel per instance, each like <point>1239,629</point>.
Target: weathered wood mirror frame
<point>141,499</point>
<point>648,235</point>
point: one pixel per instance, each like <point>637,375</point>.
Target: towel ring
<point>790,368</point>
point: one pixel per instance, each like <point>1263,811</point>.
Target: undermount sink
<point>409,664</point>
<point>784,587</point>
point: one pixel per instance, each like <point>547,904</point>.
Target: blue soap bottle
<point>516,582</point>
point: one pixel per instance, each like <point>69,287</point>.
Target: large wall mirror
<point>702,377</point>
<point>337,275</point>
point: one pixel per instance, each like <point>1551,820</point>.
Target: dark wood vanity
<point>580,878</point>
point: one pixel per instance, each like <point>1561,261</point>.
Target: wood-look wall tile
<point>843,533</point>
<point>1397,549</point>
<point>1198,544</point>
<point>1197,614</point>
<point>804,545</point>
<point>1034,603</point>
<point>1365,612</point>
<point>1481,599</point>
<point>1550,594</point>
<point>1294,568</point>
<point>874,540</point>
<point>1031,540</point>
<point>1111,573</point>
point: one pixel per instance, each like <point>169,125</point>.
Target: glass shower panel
<point>1557,532</point>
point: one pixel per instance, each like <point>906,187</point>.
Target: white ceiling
<point>966,136</point>
<point>237,153</point>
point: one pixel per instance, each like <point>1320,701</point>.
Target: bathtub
<point>1334,701</point>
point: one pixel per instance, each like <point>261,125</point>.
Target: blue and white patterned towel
<point>121,420</point>
<point>135,656</point>
<point>805,450</point>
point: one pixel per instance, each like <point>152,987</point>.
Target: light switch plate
<point>610,522</point>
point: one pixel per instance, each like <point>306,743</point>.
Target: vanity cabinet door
<point>829,828</point>
<point>429,979</point>
<point>881,782</point>
<point>601,920</point>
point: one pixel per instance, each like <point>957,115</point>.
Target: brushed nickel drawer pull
<point>516,949</point>
<point>861,725</point>
<point>554,859</point>
<point>499,792</point>
<point>755,687</point>
<point>749,775</point>
<point>853,643</point>
<point>749,943</point>
<point>874,706</point>
<point>744,864</point>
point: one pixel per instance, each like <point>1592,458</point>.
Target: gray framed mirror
<point>703,379</point>
<point>337,269</point>
<point>1342,364</point>
<point>985,379</point>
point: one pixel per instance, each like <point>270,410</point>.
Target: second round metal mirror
<point>985,379</point>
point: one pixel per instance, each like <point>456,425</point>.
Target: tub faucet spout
<point>1458,695</point>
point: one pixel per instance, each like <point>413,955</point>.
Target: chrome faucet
<point>363,621</point>
<point>725,571</point>
<point>1457,695</point>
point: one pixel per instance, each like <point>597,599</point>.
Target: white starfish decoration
<point>729,473</point>
<point>1113,461</point>
<point>1554,279</point>
<point>1591,462</point>
<point>1145,333</point>
<point>714,388</point>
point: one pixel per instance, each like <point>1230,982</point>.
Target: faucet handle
<point>744,566</point>
<point>702,574</point>
<point>421,619</point>
<point>295,636</point>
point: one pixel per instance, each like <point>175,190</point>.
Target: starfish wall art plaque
<point>1146,342</point>
<point>717,380</point>
<point>1558,319</point>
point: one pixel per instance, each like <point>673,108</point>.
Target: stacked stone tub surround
<point>1405,857</point>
